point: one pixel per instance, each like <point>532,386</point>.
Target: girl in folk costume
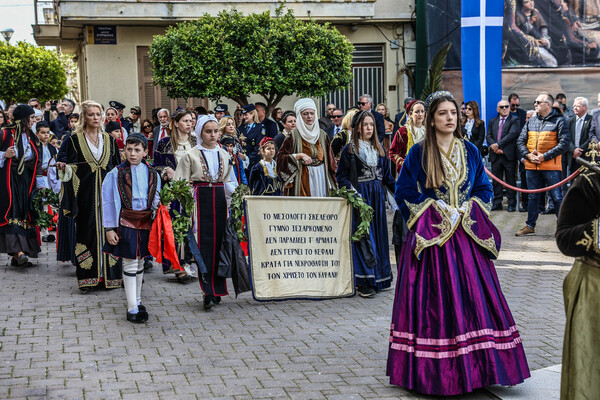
<point>344,136</point>
<point>364,167</point>
<point>207,166</point>
<point>263,177</point>
<point>409,134</point>
<point>452,331</point>
<point>20,163</point>
<point>228,142</point>
<point>167,155</point>
<point>305,162</point>
<point>89,154</point>
<point>130,193</point>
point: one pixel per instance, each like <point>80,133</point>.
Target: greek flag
<point>481,54</point>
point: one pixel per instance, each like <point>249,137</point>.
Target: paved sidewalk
<point>56,343</point>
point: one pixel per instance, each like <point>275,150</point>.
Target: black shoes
<point>497,207</point>
<point>208,301</point>
<point>138,318</point>
<point>366,291</point>
<point>549,210</point>
<point>511,209</point>
<point>21,261</point>
<point>523,208</point>
<point>148,264</point>
<point>48,238</point>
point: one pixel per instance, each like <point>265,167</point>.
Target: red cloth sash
<point>163,228</point>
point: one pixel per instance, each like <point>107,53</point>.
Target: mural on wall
<point>551,33</point>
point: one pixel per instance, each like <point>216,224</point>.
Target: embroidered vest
<point>124,182</point>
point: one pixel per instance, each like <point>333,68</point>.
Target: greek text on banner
<point>299,247</point>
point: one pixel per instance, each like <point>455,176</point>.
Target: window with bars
<point>367,78</point>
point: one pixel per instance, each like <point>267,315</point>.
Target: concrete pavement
<point>56,343</point>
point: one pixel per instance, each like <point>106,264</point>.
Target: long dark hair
<point>357,128</point>
<point>432,160</point>
<point>475,108</point>
<point>175,132</point>
<point>5,122</point>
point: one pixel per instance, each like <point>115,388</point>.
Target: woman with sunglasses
<point>473,128</point>
<point>147,128</point>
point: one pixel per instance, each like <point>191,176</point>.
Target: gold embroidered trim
<point>446,231</point>
<point>416,210</point>
<point>488,244</point>
<point>595,235</point>
<point>586,241</point>
<point>87,153</point>
<point>486,207</point>
<point>75,179</point>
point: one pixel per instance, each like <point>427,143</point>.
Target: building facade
<point>110,40</point>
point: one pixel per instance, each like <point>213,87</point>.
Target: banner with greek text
<point>300,247</point>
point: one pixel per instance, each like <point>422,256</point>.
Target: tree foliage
<point>29,71</point>
<point>234,55</point>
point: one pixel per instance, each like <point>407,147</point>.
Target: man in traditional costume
<point>305,161</point>
<point>20,163</point>
<point>577,236</point>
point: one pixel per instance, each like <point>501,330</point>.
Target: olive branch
<point>181,191</point>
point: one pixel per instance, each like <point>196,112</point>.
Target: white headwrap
<point>310,133</point>
<point>202,120</point>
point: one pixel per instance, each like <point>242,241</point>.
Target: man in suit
<point>582,130</point>
<point>502,135</point>
<point>162,130</point>
<point>325,121</point>
<point>336,117</point>
<point>365,103</point>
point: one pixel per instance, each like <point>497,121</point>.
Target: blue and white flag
<point>481,54</point>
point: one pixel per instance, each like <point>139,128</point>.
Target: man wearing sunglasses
<point>134,118</point>
<point>336,117</point>
<point>542,141</point>
<point>502,135</point>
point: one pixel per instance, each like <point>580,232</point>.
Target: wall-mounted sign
<point>102,34</point>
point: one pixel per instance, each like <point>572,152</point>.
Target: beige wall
<point>112,70</point>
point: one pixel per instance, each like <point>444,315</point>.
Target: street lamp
<point>7,33</point>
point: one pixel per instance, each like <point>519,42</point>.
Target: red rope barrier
<point>546,189</point>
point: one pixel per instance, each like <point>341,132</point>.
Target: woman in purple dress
<point>452,331</point>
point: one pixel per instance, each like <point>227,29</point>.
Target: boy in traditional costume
<point>130,194</point>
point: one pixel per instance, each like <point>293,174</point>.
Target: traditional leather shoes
<point>207,302</point>
<point>22,260</point>
<point>138,318</point>
<point>148,265</point>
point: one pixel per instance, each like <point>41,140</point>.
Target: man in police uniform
<point>252,132</point>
